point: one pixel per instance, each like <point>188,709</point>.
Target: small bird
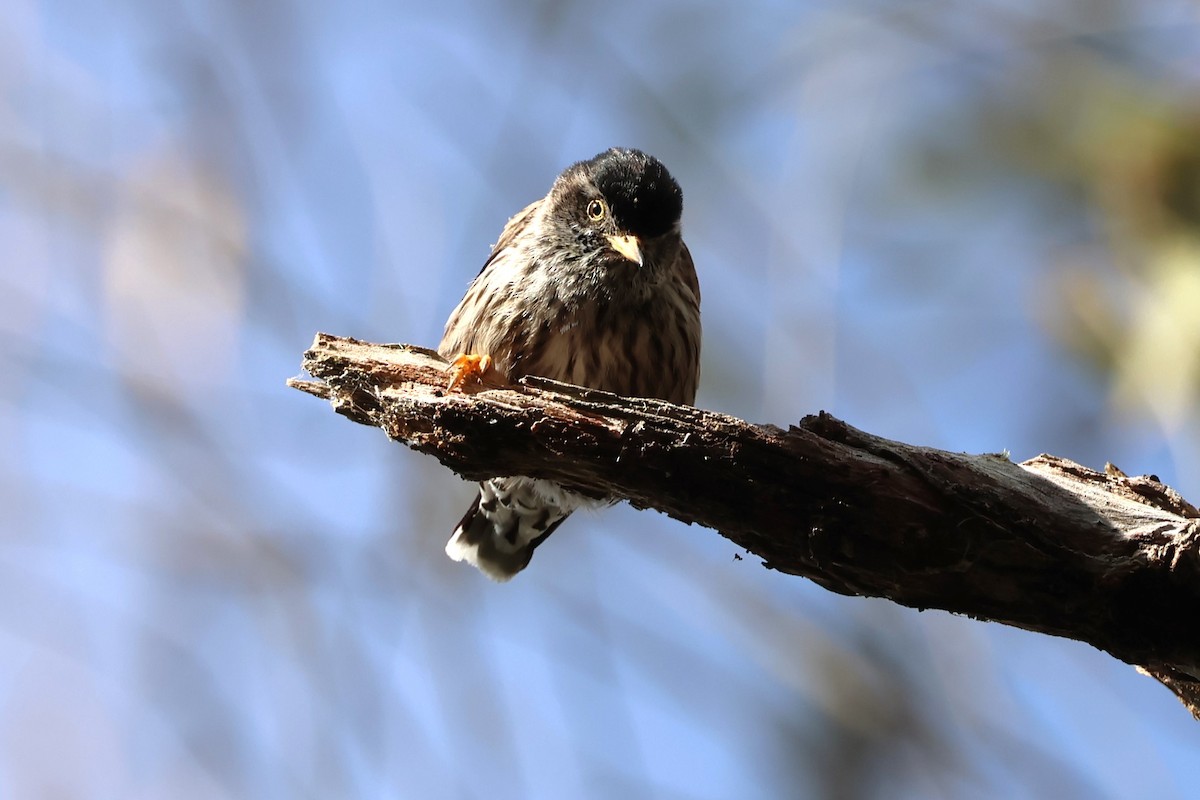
<point>590,285</point>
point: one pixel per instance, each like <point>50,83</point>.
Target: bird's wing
<point>461,334</point>
<point>687,272</point>
<point>512,229</point>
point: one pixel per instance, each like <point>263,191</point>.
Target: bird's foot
<point>467,366</point>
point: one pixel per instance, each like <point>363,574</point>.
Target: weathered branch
<point>1046,545</point>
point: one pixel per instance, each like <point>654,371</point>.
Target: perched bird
<point>590,285</point>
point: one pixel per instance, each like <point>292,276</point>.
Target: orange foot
<point>467,367</point>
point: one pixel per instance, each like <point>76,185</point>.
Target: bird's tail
<point>508,520</point>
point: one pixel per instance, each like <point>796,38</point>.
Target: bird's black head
<point>618,209</point>
<point>641,196</point>
<point>619,191</point>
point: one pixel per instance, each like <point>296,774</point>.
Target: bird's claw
<point>467,366</point>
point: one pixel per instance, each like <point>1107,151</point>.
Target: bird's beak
<point>628,246</point>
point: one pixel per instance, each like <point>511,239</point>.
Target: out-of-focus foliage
<point>1114,125</point>
<point>968,226</point>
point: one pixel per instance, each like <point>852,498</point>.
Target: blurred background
<point>972,226</point>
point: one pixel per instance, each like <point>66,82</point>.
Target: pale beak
<point>628,246</point>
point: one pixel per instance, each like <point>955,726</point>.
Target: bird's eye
<point>595,210</point>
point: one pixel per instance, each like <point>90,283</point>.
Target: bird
<point>591,285</point>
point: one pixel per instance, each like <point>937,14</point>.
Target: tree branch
<point>1046,545</point>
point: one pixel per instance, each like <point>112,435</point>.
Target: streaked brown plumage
<point>591,285</point>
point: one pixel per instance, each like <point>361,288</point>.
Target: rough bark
<point>1046,545</point>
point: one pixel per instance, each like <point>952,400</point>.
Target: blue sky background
<point>938,221</point>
